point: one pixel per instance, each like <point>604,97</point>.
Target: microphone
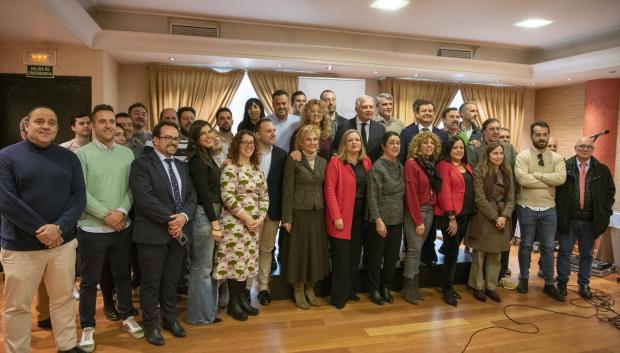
<point>601,133</point>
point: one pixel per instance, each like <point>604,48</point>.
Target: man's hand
<point>175,226</point>
<point>296,155</point>
<point>49,235</point>
<point>115,219</point>
<point>475,143</point>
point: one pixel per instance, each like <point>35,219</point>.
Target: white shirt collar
<point>100,145</point>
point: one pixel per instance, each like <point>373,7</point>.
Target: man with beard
<point>139,114</point>
<point>80,125</point>
<point>329,97</point>
<point>538,170</point>
<point>224,121</point>
<point>385,109</point>
<point>285,123</point>
<point>123,119</point>
<point>424,114</point>
<point>187,115</point>
<point>451,120</point>
<point>370,130</point>
<point>470,133</point>
<point>298,100</point>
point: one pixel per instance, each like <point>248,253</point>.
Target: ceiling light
<point>389,5</point>
<point>329,67</point>
<point>227,62</point>
<point>533,23</point>
<point>532,84</point>
<point>375,72</point>
<point>171,59</point>
<point>459,76</point>
<point>570,79</point>
<point>279,65</point>
<point>416,74</point>
<point>498,80</point>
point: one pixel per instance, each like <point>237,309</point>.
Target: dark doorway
<point>66,95</point>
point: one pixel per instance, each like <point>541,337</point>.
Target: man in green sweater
<point>538,171</point>
<point>104,226</point>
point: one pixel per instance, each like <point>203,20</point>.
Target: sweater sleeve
<point>329,189</point>
<point>375,189</point>
<point>524,178</point>
<point>558,177</point>
<point>77,200</point>
<point>411,192</point>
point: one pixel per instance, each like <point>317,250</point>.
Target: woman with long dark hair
<point>422,183</point>
<point>202,293</point>
<point>490,228</point>
<point>455,205</point>
<point>253,111</point>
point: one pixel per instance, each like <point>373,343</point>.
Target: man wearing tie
<point>164,199</point>
<point>584,205</point>
<point>370,130</point>
<point>424,114</point>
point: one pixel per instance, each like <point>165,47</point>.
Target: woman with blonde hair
<point>315,113</point>
<point>422,183</point>
<point>345,199</point>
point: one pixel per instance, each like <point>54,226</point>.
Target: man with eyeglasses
<point>538,170</point>
<point>585,204</point>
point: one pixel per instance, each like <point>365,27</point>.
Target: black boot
<point>408,290</point>
<point>235,310</point>
<point>245,303</point>
<point>387,296</point>
<point>375,297</point>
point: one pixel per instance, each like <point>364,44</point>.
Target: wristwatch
<point>59,230</point>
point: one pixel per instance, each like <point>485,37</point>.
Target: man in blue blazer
<point>424,115</point>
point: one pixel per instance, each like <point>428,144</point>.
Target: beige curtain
<point>406,92</point>
<point>266,82</point>
<point>503,103</point>
<point>203,89</point>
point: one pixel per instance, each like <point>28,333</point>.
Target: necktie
<point>364,137</point>
<point>582,184</point>
<point>178,205</point>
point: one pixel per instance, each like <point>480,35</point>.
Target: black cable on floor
<point>601,302</point>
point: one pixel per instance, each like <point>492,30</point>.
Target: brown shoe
<point>493,295</point>
<point>479,294</point>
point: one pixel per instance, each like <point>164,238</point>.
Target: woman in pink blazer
<point>345,200</point>
<point>455,205</point>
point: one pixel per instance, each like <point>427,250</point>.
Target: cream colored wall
<point>72,60</point>
<point>133,85</point>
<point>529,112</point>
<point>110,80</point>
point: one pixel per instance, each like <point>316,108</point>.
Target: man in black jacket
<point>584,205</point>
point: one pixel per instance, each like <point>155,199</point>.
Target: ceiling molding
<point>74,17</point>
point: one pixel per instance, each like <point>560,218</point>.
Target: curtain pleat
<point>266,82</point>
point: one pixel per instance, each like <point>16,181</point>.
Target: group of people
<point>135,202</point>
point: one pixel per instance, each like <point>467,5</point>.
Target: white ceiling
<point>471,20</point>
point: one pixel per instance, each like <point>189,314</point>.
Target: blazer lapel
<point>159,166</point>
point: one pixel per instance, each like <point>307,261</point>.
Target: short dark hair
<point>185,109</point>
<point>162,112</point>
<point>135,105</point>
<point>298,93</point>
<point>387,136</point>
<point>222,109</point>
<point>278,93</point>
<point>73,118</point>
<point>157,128</point>
<point>325,91</point>
<point>420,102</point>
<point>260,123</point>
<point>539,123</point>
<point>447,147</point>
<point>488,122</point>
<point>122,115</point>
<point>446,111</point>
<point>100,108</point>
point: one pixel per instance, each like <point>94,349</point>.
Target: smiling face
<point>584,148</point>
<point>81,127</point>
<point>207,137</point>
<point>496,156</point>
<point>254,113</point>
<point>167,142</point>
<point>246,148</point>
<point>104,126</point>
<point>330,99</point>
<point>185,121</point>
<point>365,109</point>
<point>138,117</point>
<point>391,149</point>
<point>427,148</point>
<point>310,143</point>
<point>298,104</point>
<point>425,114</point>
<point>119,136</point>
<point>451,120</point>
<point>42,127</point>
<point>267,133</point>
<point>315,114</point>
<point>280,106</point>
<point>458,151</point>
<point>125,122</point>
<point>385,107</point>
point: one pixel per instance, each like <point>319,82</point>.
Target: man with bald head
<point>42,196</point>
<point>370,130</point>
<point>553,144</point>
<point>585,203</point>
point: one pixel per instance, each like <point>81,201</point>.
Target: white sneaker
<point>87,342</point>
<point>131,326</point>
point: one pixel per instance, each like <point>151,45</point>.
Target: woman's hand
<point>452,227</point>
<point>339,224</point>
<point>287,226</point>
<point>216,234</point>
<point>500,223</point>
<point>380,227</point>
<point>419,230</point>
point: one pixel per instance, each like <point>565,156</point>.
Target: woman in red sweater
<point>422,183</point>
<point>345,199</point>
<point>455,205</point>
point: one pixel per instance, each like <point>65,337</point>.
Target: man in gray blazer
<point>164,203</point>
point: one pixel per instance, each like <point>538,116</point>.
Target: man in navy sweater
<point>42,195</point>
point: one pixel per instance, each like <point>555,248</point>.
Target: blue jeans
<point>532,224</point>
<point>202,294</point>
<point>581,231</point>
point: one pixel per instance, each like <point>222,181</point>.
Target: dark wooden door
<point>66,95</point>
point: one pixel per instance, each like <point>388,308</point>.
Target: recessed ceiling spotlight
<point>389,5</point>
<point>570,78</point>
<point>171,59</point>
<point>279,65</point>
<point>227,62</point>
<point>329,67</point>
<point>532,84</point>
<point>533,23</point>
<point>498,80</point>
<point>459,76</point>
<point>416,74</point>
<point>375,72</point>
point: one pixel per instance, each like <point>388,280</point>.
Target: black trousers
<point>452,244</point>
<point>346,258</point>
<point>383,250</point>
<point>160,266</point>
<point>94,247</point>
<point>428,253</point>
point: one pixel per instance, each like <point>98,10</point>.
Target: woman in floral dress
<point>245,199</point>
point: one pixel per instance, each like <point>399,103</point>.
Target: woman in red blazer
<point>455,205</point>
<point>345,200</point>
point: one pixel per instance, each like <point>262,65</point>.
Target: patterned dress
<point>242,188</point>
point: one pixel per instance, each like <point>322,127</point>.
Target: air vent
<point>197,31</point>
<point>455,53</point>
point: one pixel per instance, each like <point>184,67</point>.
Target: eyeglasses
<point>540,160</point>
<point>169,139</point>
<point>585,147</point>
<point>246,143</point>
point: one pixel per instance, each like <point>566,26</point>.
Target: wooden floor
<point>431,326</point>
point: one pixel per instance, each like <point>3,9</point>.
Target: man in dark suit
<point>272,160</point>
<point>370,130</point>
<point>164,202</point>
<point>424,115</point>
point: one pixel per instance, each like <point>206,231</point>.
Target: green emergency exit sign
<point>40,71</point>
